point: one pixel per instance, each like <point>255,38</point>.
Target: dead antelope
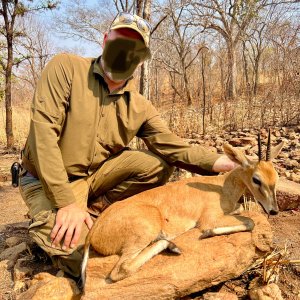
<point>142,226</point>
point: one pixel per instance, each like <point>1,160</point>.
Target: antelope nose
<point>273,212</point>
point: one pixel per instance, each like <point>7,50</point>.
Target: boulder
<point>20,225</point>
<point>46,286</point>
<point>266,292</point>
<point>202,264</point>
<point>13,252</point>
<point>5,278</point>
<point>219,296</point>
<point>244,141</point>
<point>13,241</point>
<point>288,194</point>
<point>21,273</point>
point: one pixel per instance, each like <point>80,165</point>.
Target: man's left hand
<point>223,164</point>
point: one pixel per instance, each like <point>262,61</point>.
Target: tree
<point>11,12</point>
<point>81,21</point>
<point>38,47</point>
<point>144,11</point>
<point>230,18</point>
<point>182,37</point>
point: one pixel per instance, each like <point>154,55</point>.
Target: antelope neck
<point>234,187</point>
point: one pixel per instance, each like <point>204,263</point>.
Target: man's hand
<point>68,224</point>
<point>223,164</point>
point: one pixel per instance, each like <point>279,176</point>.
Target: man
<point>84,114</point>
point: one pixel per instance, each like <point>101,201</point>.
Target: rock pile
<point>19,260</point>
<point>288,161</point>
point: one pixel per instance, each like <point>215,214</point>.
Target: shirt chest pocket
<point>121,123</point>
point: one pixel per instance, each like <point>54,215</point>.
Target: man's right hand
<point>68,224</point>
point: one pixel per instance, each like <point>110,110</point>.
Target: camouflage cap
<point>127,20</point>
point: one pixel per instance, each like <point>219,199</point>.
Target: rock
<point>288,194</point>
<point>244,141</point>
<point>20,225</point>
<point>220,296</point>
<point>203,263</point>
<point>51,288</point>
<point>196,135</point>
<point>292,135</point>
<point>5,277</point>
<point>13,241</point>
<point>44,276</point>
<point>291,163</point>
<point>263,132</point>
<point>295,177</point>
<point>267,292</point>
<point>277,133</point>
<point>219,142</point>
<point>295,154</point>
<point>13,252</point>
<point>20,275</point>
<point>283,155</point>
<point>295,142</point>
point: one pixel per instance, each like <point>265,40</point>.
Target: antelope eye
<point>256,181</point>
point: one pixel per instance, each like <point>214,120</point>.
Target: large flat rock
<point>288,194</point>
<point>203,263</point>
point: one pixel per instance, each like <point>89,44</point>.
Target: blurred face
<point>123,51</point>
<point>122,33</point>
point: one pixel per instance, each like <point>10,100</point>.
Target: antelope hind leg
<point>229,225</point>
<point>127,264</point>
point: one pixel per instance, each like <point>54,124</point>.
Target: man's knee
<point>68,260</point>
<point>154,168</point>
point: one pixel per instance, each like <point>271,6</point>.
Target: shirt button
<point>102,115</point>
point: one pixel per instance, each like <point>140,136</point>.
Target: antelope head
<point>260,176</point>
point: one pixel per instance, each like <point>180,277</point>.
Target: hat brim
<point>148,53</point>
<point>133,27</point>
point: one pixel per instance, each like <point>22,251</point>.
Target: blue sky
<point>88,48</point>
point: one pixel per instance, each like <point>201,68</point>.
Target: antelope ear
<point>237,156</point>
<point>276,150</point>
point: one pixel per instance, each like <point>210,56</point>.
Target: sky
<point>83,47</point>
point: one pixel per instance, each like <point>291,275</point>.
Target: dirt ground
<point>286,228</point>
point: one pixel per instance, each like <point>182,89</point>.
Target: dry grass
<point>21,118</point>
<point>270,266</point>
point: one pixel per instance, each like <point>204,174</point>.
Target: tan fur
<point>133,228</point>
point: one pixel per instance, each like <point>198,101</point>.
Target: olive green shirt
<point>76,124</point>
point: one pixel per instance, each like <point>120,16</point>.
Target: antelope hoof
<point>173,248</point>
<point>206,234</point>
<point>108,280</point>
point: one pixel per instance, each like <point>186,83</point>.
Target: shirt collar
<point>128,87</point>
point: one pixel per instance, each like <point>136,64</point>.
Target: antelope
<point>144,225</point>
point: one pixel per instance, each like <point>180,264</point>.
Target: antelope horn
<point>268,156</point>
<point>259,147</point>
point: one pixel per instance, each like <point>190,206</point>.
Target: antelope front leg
<point>228,225</point>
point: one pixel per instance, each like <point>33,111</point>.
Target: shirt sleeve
<point>48,112</point>
<point>161,141</point>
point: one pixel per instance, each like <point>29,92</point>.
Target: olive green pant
<point>121,176</point>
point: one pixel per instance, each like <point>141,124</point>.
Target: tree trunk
<point>246,71</point>
<point>232,76</point>
<point>256,73</point>
<point>186,87</point>
<point>9,129</point>
<point>203,91</point>
<point>145,78</point>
